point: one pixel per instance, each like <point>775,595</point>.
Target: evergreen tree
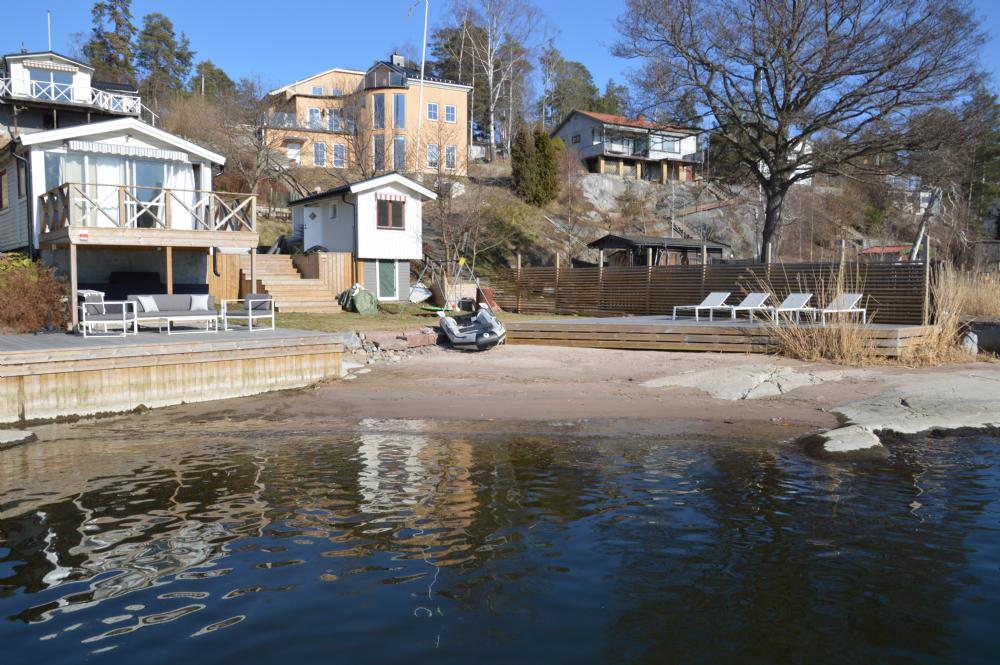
<point>211,80</point>
<point>110,46</point>
<point>546,167</point>
<point>615,100</point>
<point>522,164</point>
<point>164,60</point>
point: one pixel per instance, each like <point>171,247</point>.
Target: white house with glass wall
<point>378,221</point>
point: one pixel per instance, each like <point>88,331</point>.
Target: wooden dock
<point>660,333</point>
<point>54,375</point>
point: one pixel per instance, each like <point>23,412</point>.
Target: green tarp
<point>358,300</point>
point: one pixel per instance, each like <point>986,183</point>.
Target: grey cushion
<point>173,302</point>
<point>171,313</point>
<point>100,318</point>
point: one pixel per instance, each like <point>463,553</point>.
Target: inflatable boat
<point>473,332</point>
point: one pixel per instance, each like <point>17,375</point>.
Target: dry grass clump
<point>982,294</point>
<point>952,291</point>
<point>32,298</point>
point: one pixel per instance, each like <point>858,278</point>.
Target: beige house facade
<point>374,121</point>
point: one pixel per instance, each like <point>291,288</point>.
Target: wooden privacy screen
<point>894,293</point>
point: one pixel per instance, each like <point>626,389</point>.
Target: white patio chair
<point>715,300</point>
<point>845,303</point>
<point>98,314</point>
<point>795,303</point>
<point>257,306</point>
<point>754,302</point>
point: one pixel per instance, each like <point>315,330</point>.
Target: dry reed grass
<point>843,340</point>
<point>953,292</point>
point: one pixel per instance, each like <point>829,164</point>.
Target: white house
<point>378,221</point>
<point>630,147</point>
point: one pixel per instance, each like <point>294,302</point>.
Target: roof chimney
<point>398,60</point>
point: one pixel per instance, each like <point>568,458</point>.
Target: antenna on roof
<point>49,13</point>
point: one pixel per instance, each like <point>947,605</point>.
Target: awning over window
<point>128,151</point>
<point>53,66</point>
<point>391,197</point>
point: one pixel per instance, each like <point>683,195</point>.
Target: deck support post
<point>519,282</point>
<point>73,280</point>
<point>927,281</point>
<point>557,283</point>
<point>168,253</point>
<point>253,270</point>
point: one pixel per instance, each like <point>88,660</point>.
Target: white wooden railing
<point>116,102</point>
<point>122,206</point>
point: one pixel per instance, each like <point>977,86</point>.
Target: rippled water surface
<point>410,547</point>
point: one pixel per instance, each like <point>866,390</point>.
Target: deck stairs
<point>291,292</point>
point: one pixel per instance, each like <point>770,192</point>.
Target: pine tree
<point>211,80</point>
<point>110,46</point>
<point>164,60</point>
<point>546,167</point>
<point>522,165</point>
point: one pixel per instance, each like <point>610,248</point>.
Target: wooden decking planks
<point>664,334</point>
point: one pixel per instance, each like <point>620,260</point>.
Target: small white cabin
<point>379,221</point>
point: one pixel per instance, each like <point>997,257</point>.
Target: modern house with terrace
<point>631,147</point>
<point>383,116</point>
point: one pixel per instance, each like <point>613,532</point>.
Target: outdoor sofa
<point>168,310</point>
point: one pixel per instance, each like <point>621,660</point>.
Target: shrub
<point>535,165</point>
<point>32,298</point>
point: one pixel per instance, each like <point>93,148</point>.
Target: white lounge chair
<point>715,300</point>
<point>795,303</point>
<point>845,303</point>
<point>754,302</point>
<point>98,316</point>
<point>257,307</point>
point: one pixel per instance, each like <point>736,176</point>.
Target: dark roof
<point>621,241</point>
<point>622,121</point>
<point>414,73</point>
<point>342,189</point>
<point>31,53</point>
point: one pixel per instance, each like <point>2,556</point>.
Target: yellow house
<point>374,121</point>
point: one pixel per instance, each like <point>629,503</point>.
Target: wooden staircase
<point>279,277</point>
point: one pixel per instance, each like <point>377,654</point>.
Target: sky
<point>286,40</point>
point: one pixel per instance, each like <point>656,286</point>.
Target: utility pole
<point>420,97</point>
<point>49,18</point>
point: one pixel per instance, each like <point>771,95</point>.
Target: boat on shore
<point>480,331</point>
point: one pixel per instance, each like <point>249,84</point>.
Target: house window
<point>575,139</point>
<point>450,157</point>
<point>314,119</point>
<point>336,92</point>
<point>3,190</point>
<point>317,90</point>
<point>339,156</point>
<point>319,154</point>
<point>450,113</point>
<point>334,120</point>
<point>294,151</point>
<point>21,179</point>
<point>51,85</point>
<point>664,143</point>
<point>433,155</point>
<point>390,213</point>
<point>399,111</point>
<point>432,111</point>
<point>378,152</point>
<point>399,153</point>
<point>333,211</point>
<point>378,110</point>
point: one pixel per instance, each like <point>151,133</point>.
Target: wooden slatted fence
<point>894,293</point>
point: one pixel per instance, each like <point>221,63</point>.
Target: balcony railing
<point>128,207</point>
<point>115,102</point>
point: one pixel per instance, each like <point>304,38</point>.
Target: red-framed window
<point>391,212</point>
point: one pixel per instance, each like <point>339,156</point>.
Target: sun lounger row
<point>172,313</point>
<point>792,306</point>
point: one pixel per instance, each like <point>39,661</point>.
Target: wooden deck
<point>660,333</point>
<point>55,375</point>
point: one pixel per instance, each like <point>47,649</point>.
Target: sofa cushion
<point>148,303</point>
<point>199,302</point>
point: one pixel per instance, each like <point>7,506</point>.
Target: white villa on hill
<point>631,147</point>
<point>378,221</point>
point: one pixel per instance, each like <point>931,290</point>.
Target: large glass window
<point>378,110</point>
<point>315,121</point>
<point>450,157</point>
<point>319,154</point>
<point>379,152</point>
<point>294,152</point>
<point>399,111</point>
<point>432,111</point>
<point>433,155</point>
<point>334,120</point>
<point>399,153</point>
<point>450,113</point>
<point>317,90</point>
<point>339,156</point>
<point>52,85</point>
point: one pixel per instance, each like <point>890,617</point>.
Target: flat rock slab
<point>15,437</point>
<point>752,381</point>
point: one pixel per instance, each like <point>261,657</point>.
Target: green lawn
<point>408,318</point>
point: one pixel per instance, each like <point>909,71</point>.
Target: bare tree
<point>502,44</point>
<point>798,87</point>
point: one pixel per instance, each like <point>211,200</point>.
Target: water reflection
<point>391,543</point>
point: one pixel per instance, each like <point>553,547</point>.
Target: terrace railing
<point>115,102</point>
<point>129,207</point>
